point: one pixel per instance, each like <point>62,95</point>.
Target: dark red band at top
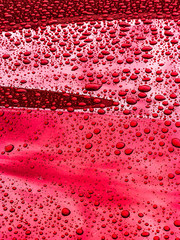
<point>17,14</point>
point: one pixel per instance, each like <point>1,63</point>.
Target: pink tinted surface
<point>91,173</point>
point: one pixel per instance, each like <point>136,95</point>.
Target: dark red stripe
<point>15,14</point>
<point>35,98</point>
